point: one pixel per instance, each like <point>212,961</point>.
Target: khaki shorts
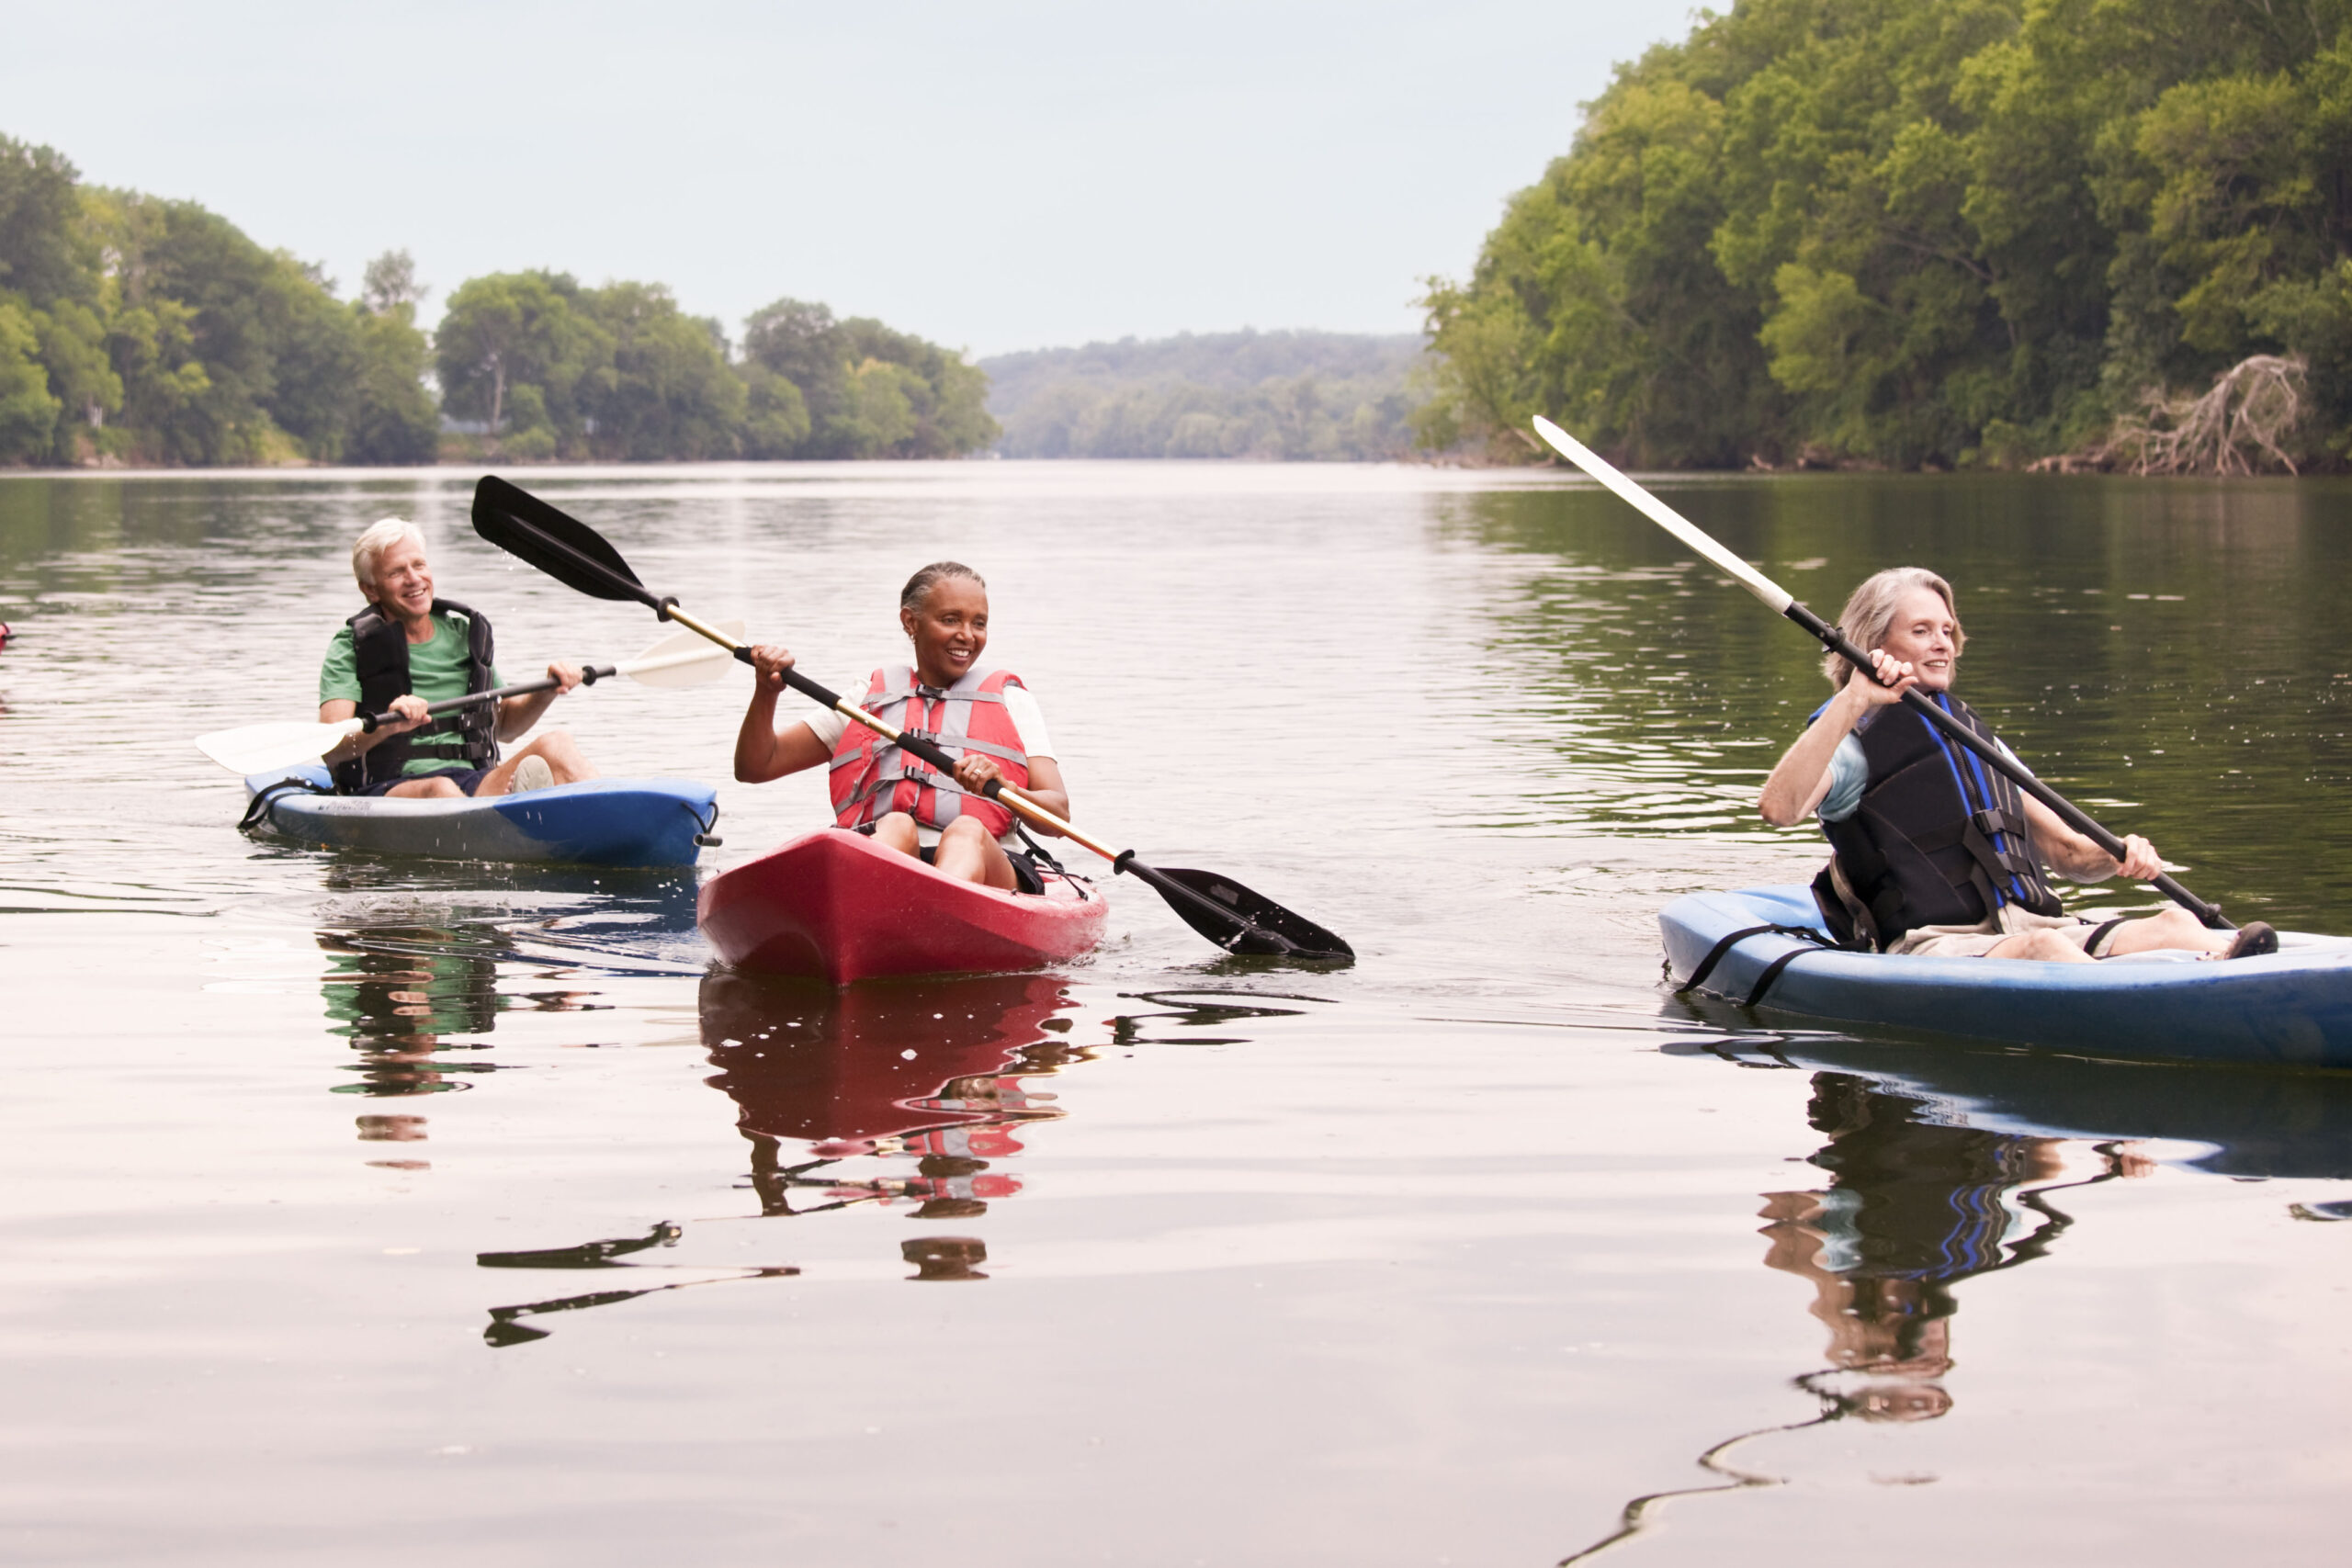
<point>1975,941</point>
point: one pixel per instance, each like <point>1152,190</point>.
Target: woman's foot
<point>2253,940</point>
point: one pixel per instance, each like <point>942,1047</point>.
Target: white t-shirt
<point>1028,721</point>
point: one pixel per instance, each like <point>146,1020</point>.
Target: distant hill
<point>1285,395</point>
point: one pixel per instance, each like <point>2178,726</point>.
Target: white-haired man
<point>408,648</point>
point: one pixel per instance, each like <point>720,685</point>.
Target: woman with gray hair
<point>1933,853</point>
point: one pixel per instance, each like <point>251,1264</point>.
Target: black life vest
<point>380,646</point>
<point>1940,838</point>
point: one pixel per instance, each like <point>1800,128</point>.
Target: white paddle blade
<point>1664,516</point>
<point>265,748</point>
<point>683,659</point>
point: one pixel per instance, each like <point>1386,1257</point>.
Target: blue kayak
<point>2293,1006</point>
<point>601,822</point>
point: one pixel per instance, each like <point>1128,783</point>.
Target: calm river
<point>367,1212</point>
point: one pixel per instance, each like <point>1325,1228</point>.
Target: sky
<point>1026,174</point>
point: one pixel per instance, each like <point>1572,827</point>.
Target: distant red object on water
<point>4,633</point>
<point>837,905</point>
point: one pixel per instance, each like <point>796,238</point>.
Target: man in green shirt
<point>411,654</point>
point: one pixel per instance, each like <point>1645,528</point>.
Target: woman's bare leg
<point>897,832</point>
<point>2175,928</point>
<point>966,851</point>
<point>2045,946</point>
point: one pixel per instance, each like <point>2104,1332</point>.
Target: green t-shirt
<point>436,672</point>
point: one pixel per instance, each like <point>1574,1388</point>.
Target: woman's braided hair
<point>920,585</point>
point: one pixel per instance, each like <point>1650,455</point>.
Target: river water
<point>365,1211</point>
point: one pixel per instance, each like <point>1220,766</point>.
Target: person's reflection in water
<point>1913,1207</point>
<point>407,997</point>
<point>399,995</point>
<point>937,1070</point>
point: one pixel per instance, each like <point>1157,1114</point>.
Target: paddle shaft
<point>588,677</point>
<point>1779,599</point>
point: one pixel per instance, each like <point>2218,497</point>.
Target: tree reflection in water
<point>1913,1207</point>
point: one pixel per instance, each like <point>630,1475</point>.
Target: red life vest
<point>871,777</point>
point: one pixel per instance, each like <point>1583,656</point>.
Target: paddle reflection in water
<point>1914,1206</point>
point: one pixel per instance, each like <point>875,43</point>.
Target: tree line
<point>1932,233</point>
<point>1281,396</point>
<point>138,330</point>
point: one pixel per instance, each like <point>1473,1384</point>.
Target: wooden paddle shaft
<point>914,745</point>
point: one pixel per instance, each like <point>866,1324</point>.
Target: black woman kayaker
<point>408,648</point>
<point>1933,854</point>
<point>984,719</point>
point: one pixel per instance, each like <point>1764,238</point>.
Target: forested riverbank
<point>1935,234</point>
<point>140,331</point>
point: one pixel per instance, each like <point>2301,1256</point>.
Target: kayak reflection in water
<point>986,720</point>
<point>408,648</point>
<point>1935,854</point>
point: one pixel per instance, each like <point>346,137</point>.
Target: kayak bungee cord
<point>575,555</point>
<point>1782,603</point>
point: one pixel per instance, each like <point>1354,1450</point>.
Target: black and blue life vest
<point>1940,838</point>
<point>380,645</point>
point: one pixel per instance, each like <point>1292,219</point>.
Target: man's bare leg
<point>556,747</point>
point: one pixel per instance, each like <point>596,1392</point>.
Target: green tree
<point>1915,231</point>
<point>866,390</point>
<point>670,393</point>
<point>393,418</point>
<point>510,331</point>
<point>27,412</point>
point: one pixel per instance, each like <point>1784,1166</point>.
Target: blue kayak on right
<point>2291,1008</point>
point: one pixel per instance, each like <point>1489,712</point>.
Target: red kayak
<point>837,905</point>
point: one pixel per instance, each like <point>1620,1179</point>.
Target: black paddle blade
<point>555,542</point>
<point>1251,923</point>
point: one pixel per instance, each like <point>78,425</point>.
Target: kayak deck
<point>836,905</point>
<point>619,822</point>
<point>2293,1006</point>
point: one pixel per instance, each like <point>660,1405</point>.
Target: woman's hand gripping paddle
<point>1779,602</point>
<point>577,555</point>
<point>682,659</point>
